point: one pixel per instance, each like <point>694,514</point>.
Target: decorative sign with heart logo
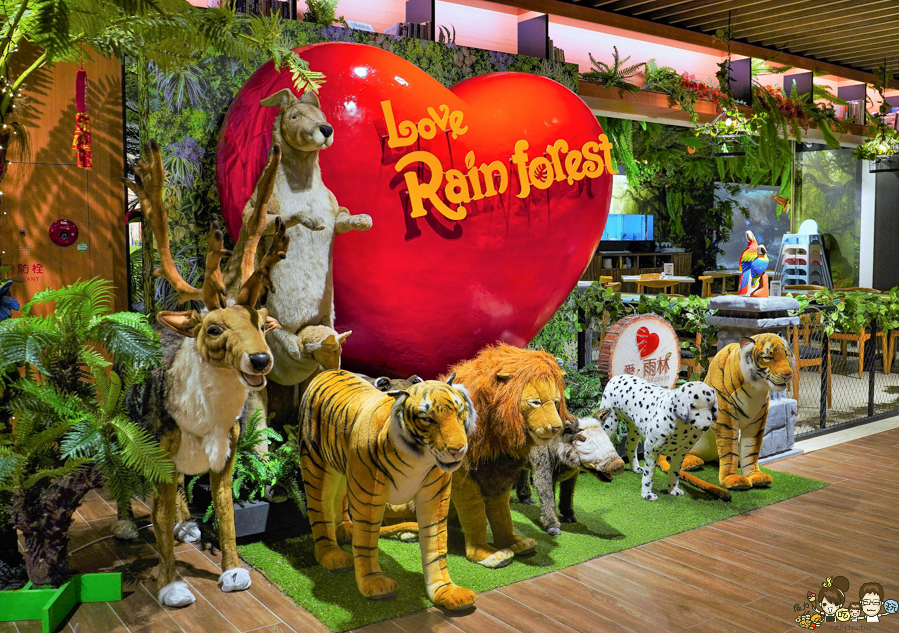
<point>488,201</point>
<point>644,345</point>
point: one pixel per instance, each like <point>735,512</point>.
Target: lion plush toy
<point>518,395</point>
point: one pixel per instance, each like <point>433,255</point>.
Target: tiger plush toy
<point>361,449</point>
<point>742,375</point>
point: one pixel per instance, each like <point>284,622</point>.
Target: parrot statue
<point>753,264</point>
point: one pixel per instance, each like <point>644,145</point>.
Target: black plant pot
<point>255,518</point>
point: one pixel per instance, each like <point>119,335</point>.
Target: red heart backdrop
<point>422,293</point>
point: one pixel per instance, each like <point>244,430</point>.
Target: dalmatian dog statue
<point>669,421</point>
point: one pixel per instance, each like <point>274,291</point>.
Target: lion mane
<point>501,429</point>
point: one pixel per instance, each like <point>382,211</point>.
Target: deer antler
<point>260,284</point>
<point>254,227</point>
<point>149,192</point>
<point>213,284</point>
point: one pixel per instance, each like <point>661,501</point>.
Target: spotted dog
<point>669,421</point>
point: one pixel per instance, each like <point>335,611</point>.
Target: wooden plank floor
<point>741,574</point>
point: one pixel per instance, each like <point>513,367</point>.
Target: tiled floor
<point>742,574</point>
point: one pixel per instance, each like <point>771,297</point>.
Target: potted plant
<point>67,433</point>
<point>262,481</point>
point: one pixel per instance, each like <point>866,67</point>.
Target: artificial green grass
<point>611,517</point>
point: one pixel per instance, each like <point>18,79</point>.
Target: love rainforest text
<point>486,180</point>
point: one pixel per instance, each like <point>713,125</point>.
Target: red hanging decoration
<point>82,141</point>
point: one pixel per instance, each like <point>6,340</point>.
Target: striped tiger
<point>361,449</point>
<point>742,375</point>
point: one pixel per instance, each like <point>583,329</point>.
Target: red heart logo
<point>646,342</point>
<point>421,293</point>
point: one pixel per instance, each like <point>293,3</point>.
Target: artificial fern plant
<point>69,432</point>
<point>614,75</point>
<point>256,474</point>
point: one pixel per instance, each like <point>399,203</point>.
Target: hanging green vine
<point>882,139</point>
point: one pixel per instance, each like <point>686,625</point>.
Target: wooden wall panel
<point>577,38</point>
<point>480,26</point>
<point>379,13</point>
<point>46,184</point>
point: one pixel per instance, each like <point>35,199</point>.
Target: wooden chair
<point>891,352</point>
<point>861,338</point>
<point>805,355</point>
<point>709,279</point>
<point>706,285</point>
<point>664,285</point>
<point>687,360</point>
<point>615,286</point>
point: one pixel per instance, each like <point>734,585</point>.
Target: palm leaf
<point>68,468</point>
<point>86,299</point>
<point>141,451</point>
<point>83,440</point>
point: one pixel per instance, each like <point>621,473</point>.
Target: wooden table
<point>665,284</point>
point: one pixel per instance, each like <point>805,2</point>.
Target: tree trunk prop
<point>44,515</point>
<point>12,565</point>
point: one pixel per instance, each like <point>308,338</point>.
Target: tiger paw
<point>758,479</point>
<point>344,532</point>
<point>334,559</point>
<point>523,546</point>
<point>454,597</point>
<point>736,482</point>
<point>691,462</point>
<point>568,518</point>
<point>649,496</point>
<point>676,491</point>
<point>378,587</point>
<point>554,530</point>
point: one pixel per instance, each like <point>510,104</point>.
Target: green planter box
<point>51,606</point>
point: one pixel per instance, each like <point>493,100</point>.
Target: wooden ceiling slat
<point>659,28</point>
<point>793,13</point>
<point>667,10</point>
<point>740,15</point>
<point>661,4</point>
<point>881,41</point>
<point>872,60</point>
<point>847,35</point>
<point>806,25</point>
<point>628,6</point>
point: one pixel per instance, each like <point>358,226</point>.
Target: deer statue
<point>195,403</point>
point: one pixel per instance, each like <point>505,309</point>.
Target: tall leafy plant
<point>69,430</point>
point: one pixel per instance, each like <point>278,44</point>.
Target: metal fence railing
<point>842,379</point>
